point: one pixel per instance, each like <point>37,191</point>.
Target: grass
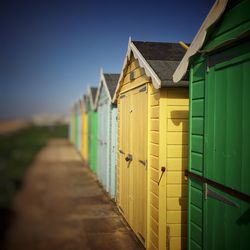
<point>17,151</point>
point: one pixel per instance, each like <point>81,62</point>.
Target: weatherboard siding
<point>177,105</point>
<point>153,168</point>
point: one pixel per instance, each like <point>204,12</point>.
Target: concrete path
<point>61,206</point>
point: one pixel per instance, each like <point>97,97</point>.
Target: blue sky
<point>50,51</point>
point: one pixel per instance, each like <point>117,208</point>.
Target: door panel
<point>124,141</point>
<point>227,158</point>
<point>139,151</point>
<point>133,174</point>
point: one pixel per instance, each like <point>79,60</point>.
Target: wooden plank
<point>177,164</point>
<point>154,200</point>
<point>134,64</point>
<point>154,212</point>
<point>176,190</point>
<point>178,125</point>
<point>178,243</point>
<point>154,125</point>
<point>154,175</point>
<point>139,72</point>
<point>154,149</point>
<point>175,217</point>
<point>177,151</point>
<point>154,225</point>
<point>154,137</point>
<point>177,96</point>
<point>136,83</point>
<point>154,99</point>
<point>176,177</point>
<point>154,239</point>
<point>177,112</point>
<point>177,138</point>
<point>162,163</point>
<point>154,112</point>
<point>154,162</point>
<point>178,230</point>
<point>177,203</point>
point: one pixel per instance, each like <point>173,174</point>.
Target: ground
<point>62,206</point>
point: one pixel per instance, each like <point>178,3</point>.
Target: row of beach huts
<point>169,136</point>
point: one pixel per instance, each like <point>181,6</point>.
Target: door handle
<point>128,158</point>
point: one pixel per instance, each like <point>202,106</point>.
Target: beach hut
<point>76,125</point>
<point>71,125</point>
<point>107,131</point>
<point>218,61</point>
<point>84,147</point>
<point>79,125</point>
<point>152,144</point>
<point>92,128</point>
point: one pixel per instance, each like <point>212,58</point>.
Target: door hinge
<point>144,88</point>
<point>167,238</point>
<point>120,151</point>
<point>141,238</point>
<point>144,163</point>
<point>121,209</point>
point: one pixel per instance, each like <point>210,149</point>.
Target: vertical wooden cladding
<point>153,165</point>
<point>166,113</point>
<point>71,127</point>
<point>84,148</point>
<point>107,133</point>
<point>132,139</point>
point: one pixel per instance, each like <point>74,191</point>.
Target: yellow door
<point>133,159</point>
<point>123,151</point>
<point>139,139</point>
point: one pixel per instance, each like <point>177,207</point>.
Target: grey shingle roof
<point>112,81</point>
<point>93,92</point>
<point>163,58</point>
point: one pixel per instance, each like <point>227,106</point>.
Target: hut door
<point>124,167</point>
<point>227,156</point>
<point>138,113</point>
<point>133,159</point>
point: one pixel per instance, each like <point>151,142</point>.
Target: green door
<point>226,218</point>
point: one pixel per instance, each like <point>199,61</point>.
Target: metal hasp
<point>128,158</point>
<point>228,190</point>
<point>219,197</point>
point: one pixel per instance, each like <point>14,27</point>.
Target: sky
<point>51,51</point>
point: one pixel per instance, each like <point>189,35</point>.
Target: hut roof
<point>159,60</point>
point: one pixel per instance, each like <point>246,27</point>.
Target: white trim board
<point>214,14</point>
<point>142,62</point>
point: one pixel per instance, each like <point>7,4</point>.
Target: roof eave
<point>142,62</point>
<point>102,80</point>
<point>214,14</point>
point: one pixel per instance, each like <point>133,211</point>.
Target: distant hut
<point>92,128</point>
<point>107,132</point>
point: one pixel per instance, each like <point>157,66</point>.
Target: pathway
<point>61,206</point>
